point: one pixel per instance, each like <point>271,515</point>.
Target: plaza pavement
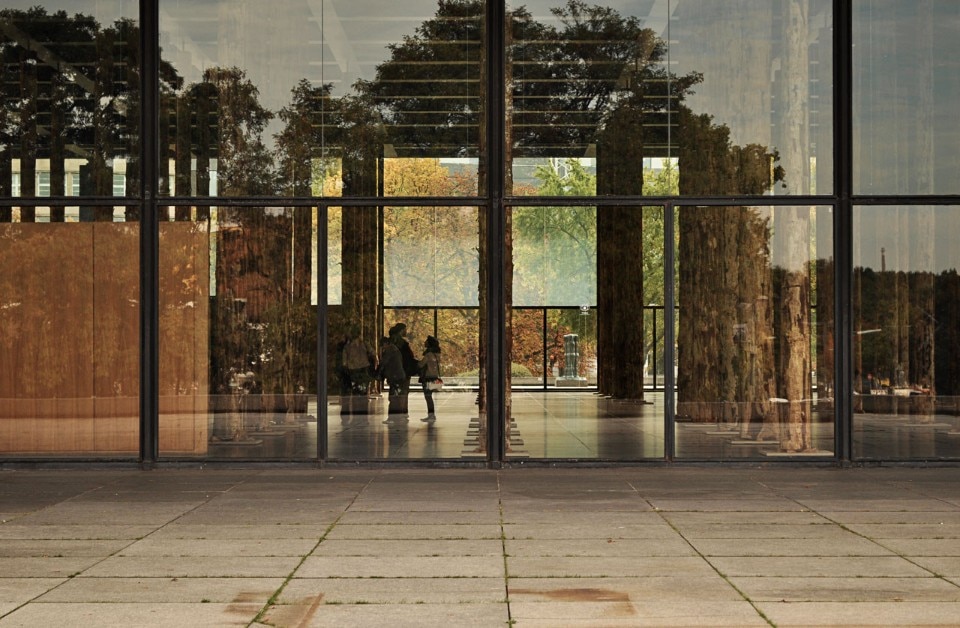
<point>630,546</point>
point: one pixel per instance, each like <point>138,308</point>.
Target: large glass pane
<point>755,333</point>
<point>69,118</point>
<point>729,97</point>
<point>264,98</point>
<point>407,275</point>
<point>69,336</point>
<point>906,302</point>
<point>906,69</point>
<point>585,270</point>
<point>238,332</point>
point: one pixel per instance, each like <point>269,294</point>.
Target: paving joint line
<point>257,619</point>
<point>702,556</point>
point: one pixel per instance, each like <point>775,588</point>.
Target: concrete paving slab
<point>948,566</point>
<point>261,516</point>
<point>195,567</point>
<point>626,504</point>
<point>860,589</point>
<point>401,567</point>
<point>592,566</point>
<point>894,518</point>
<point>431,517</point>
<point>304,591</point>
<point>62,548</point>
<point>561,529</point>
<point>862,613</point>
<point>643,613</point>
<point>884,504</point>
<point>238,515</point>
<point>459,504</point>
<point>625,622</point>
<point>756,531</point>
<point>611,588</point>
<point>904,531</point>
<point>923,547</point>
<point>46,567</point>
<point>223,546</point>
<point>413,531</point>
<point>91,531</point>
<point>681,519</point>
<point>515,515</point>
<point>409,547</point>
<point>165,590</point>
<point>114,615</point>
<point>112,512</point>
<point>177,530</point>
<point>850,545</point>
<point>599,547</point>
<point>20,590</point>
<point>393,615</point>
<point>726,505</point>
<point>822,566</point>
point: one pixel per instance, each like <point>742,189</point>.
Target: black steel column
<point>149,232</point>
<point>322,312</point>
<point>843,226</point>
<point>669,335</point>
<point>495,117</point>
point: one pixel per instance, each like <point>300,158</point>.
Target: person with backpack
<point>357,361</point>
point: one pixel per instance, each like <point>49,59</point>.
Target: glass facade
<point>693,230</point>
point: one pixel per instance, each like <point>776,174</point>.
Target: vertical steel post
<point>843,226</point>
<point>149,232</point>
<point>669,335</point>
<point>496,132</point>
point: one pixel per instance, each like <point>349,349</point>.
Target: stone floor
<point>637,546</point>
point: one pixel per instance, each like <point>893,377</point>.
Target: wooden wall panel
<point>184,337</point>
<point>69,338</point>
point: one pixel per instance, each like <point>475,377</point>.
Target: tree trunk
<point>793,234</point>
<point>620,333</point>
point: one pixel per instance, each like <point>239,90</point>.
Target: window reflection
<point>755,332</point>
<point>906,338</point>
<point>71,102</point>
<point>696,86</point>
<point>406,275</point>
<point>904,97</point>
<point>237,333</point>
<point>258,100</point>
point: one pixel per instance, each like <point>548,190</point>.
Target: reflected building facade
<point>640,230</point>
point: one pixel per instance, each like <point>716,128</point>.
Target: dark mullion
<point>843,227</point>
<point>495,138</point>
<point>322,330</point>
<point>149,233</point>
<point>669,336</point>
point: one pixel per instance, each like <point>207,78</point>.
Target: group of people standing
<point>359,367</point>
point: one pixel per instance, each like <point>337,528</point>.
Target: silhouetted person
<point>429,366</point>
<point>409,363</point>
<point>391,371</point>
<point>358,361</point>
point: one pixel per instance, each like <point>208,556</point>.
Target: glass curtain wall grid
<point>680,230</point>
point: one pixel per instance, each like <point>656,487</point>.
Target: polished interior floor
<point>568,425</point>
